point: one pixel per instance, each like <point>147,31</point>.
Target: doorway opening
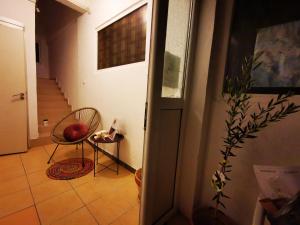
<point>51,18</point>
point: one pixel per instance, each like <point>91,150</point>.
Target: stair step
<point>44,134</point>
<point>43,97</point>
<point>51,118</point>
<point>40,141</point>
<point>43,129</point>
<point>48,89</point>
<point>45,81</point>
<point>56,108</point>
<point>53,104</point>
<point>58,111</point>
<point>49,92</point>
<point>48,96</point>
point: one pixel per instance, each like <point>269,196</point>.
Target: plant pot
<point>208,216</point>
<point>138,181</point>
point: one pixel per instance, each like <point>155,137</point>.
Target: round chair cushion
<point>75,132</point>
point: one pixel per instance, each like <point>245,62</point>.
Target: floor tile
<point>106,211</point>
<point>131,217</point>
<point>8,161</point>
<point>49,148</point>
<point>102,157</point>
<point>57,207</point>
<point>29,215</point>
<point>15,202</point>
<point>82,180</point>
<point>113,177</point>
<point>13,185</point>
<point>127,193</point>
<point>11,172</point>
<point>35,160</point>
<point>49,189</point>
<point>110,198</point>
<point>97,187</point>
<point>104,160</point>
<point>89,192</point>
<point>78,217</point>
<point>69,151</point>
<point>37,178</point>
<point>36,152</point>
<point>65,152</point>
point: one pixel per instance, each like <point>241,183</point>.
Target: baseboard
<point>43,76</point>
<point>40,142</point>
<point>132,170</point>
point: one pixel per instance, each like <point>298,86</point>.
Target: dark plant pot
<point>206,216</point>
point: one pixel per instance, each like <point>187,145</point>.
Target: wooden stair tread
<point>52,105</point>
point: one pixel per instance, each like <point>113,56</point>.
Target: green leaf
<point>215,197</point>
<point>270,102</point>
<point>225,196</point>
<point>231,154</point>
<point>222,204</point>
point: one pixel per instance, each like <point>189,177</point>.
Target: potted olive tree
<point>244,121</point>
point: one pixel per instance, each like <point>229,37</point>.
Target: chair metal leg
<point>82,154</point>
<point>53,153</point>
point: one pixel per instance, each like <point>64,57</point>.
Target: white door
<point>13,109</point>
<point>169,55</point>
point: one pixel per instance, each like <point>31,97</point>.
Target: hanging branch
<point>241,124</point>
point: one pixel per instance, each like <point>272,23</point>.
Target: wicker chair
<point>90,117</point>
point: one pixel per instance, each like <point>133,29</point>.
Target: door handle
<point>20,95</point>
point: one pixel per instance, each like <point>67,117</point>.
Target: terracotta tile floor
<point>27,194</point>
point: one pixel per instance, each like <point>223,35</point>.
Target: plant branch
<point>241,124</point>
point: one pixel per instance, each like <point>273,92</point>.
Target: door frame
<point>155,69</point>
<point>14,24</point>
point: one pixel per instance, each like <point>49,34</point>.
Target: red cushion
<point>75,131</point>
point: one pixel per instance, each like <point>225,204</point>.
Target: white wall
<point>118,92</point>
<point>24,12</point>
<point>63,61</point>
<point>78,5</point>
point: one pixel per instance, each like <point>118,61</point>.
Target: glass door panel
<point>175,48</point>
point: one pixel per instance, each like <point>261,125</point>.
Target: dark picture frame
<point>123,41</point>
<point>252,23</point>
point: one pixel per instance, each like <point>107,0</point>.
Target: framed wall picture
<point>271,26</point>
<point>123,41</point>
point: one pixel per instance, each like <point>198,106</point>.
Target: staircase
<point>52,106</point>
